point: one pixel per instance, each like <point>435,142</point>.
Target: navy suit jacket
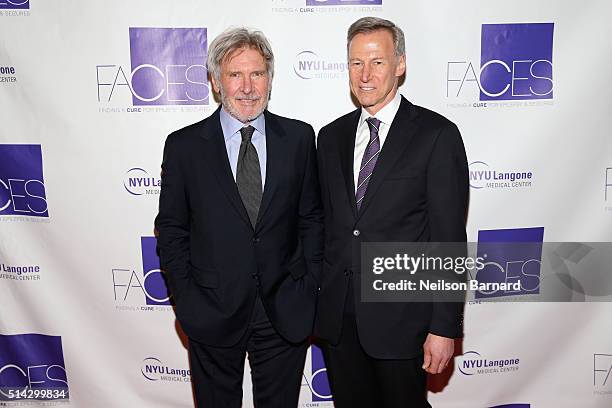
<point>418,192</point>
<point>215,261</point>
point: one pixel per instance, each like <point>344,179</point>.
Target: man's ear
<point>215,85</point>
<point>401,66</point>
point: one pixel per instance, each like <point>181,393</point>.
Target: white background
<point>95,225</point>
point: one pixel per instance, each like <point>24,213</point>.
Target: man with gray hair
<point>390,171</point>
<point>240,233</point>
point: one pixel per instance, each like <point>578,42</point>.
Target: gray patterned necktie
<point>248,175</point>
<point>370,156</point>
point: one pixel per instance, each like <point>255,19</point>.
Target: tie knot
<point>374,125</point>
<point>247,133</point>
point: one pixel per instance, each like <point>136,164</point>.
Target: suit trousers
<point>358,380</point>
<point>276,368</point>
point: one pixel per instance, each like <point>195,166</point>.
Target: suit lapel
<point>347,149</point>
<point>398,138</point>
<point>275,145</point>
<point>218,162</point>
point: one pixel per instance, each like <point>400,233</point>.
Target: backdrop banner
<point>90,90</point>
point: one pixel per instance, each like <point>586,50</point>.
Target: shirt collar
<point>387,113</point>
<point>231,125</point>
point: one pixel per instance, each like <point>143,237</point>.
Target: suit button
<point>256,239</point>
<point>356,233</point>
<point>256,277</point>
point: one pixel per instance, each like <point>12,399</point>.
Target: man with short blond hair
<point>390,171</point>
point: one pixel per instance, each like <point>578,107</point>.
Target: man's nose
<point>365,73</point>
<point>247,85</point>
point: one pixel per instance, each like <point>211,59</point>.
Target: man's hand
<point>438,351</point>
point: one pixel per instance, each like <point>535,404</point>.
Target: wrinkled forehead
<point>240,50</point>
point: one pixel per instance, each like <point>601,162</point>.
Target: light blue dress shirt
<point>231,133</point>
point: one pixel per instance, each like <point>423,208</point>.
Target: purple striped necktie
<point>370,156</point>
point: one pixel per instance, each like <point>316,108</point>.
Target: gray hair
<point>233,39</point>
<point>369,24</point>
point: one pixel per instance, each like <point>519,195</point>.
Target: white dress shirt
<point>362,138</point>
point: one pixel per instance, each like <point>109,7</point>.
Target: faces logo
<point>22,189</point>
<point>343,2</point>
<point>14,4</point>
<point>152,285</point>
<point>318,383</point>
<point>512,255</point>
<point>31,361</point>
<point>515,64</point>
<point>138,182</point>
<point>602,370</point>
<point>168,67</point>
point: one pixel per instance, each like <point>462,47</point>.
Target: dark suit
<point>219,266</point>
<point>418,192</point>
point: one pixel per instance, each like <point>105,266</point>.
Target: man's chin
<point>365,102</point>
<point>246,117</point>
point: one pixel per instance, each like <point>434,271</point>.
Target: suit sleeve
<point>310,221</point>
<point>172,221</point>
<point>447,202</point>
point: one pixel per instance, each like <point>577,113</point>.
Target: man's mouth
<point>247,101</point>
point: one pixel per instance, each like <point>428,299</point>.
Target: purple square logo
<point>516,61</point>
<point>154,282</point>
<point>319,383</point>
<point>343,2</point>
<point>31,361</point>
<point>511,255</point>
<point>22,188</point>
<point>169,66</point>
<point>15,4</point>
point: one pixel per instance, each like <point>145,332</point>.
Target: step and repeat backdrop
<point>89,90</point>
